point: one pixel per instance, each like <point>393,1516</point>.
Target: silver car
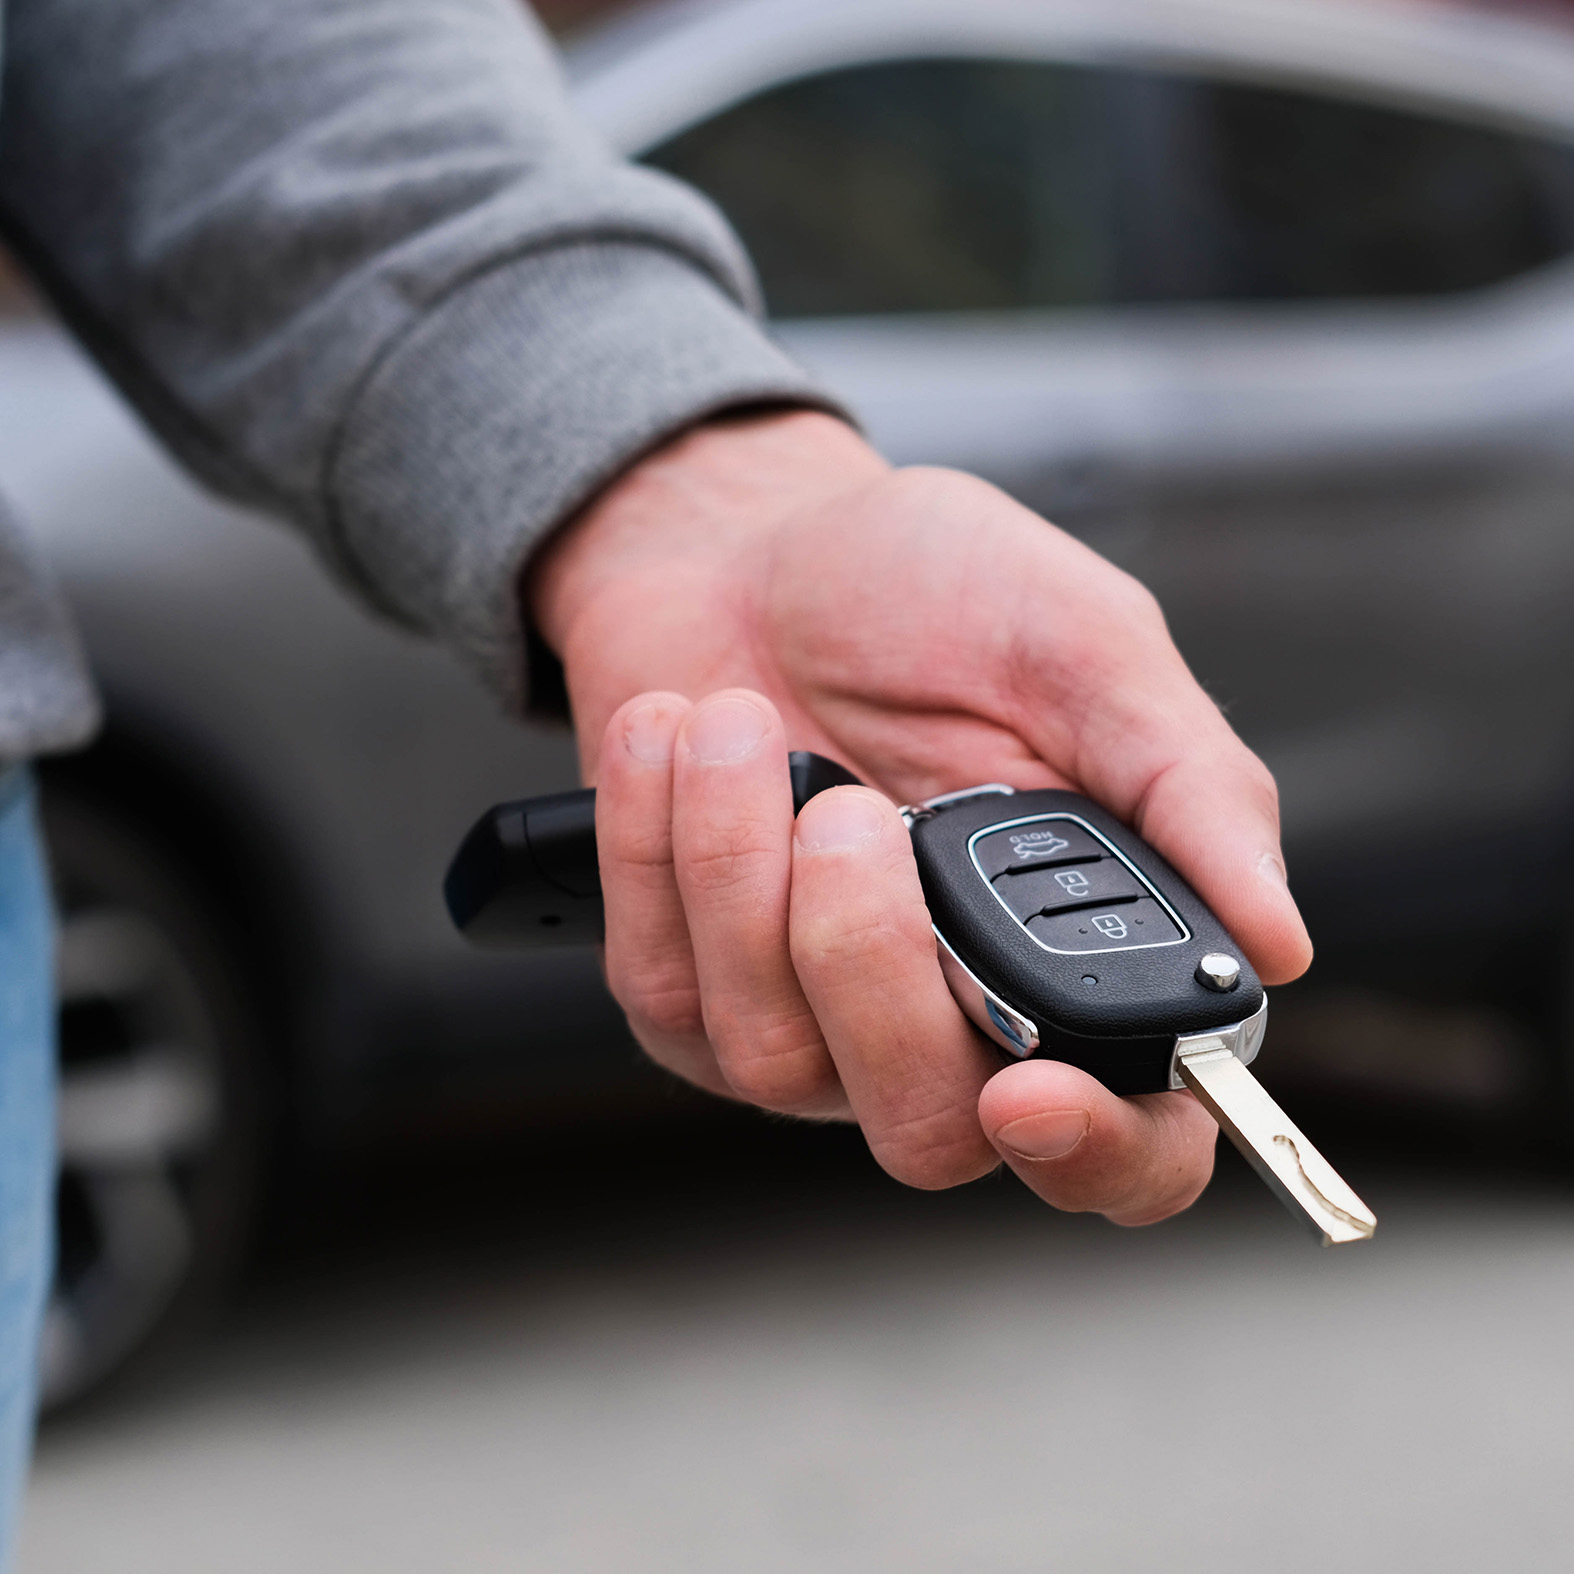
<point>1271,303</point>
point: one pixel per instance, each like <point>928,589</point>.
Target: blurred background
<point>379,1253</point>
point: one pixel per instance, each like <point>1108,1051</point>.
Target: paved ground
<point>741,1370</point>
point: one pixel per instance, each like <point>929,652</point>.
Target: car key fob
<point>1063,933</point>
<point>1059,930</point>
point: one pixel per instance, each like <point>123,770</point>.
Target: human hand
<point>769,583</point>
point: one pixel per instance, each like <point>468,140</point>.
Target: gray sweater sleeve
<point>359,264</point>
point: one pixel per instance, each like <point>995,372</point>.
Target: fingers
<point>1084,1150</point>
<point>864,951</point>
<point>732,824</point>
<point>1216,818</point>
<point>693,831</point>
<point>803,977</point>
<point>796,969</point>
<point>1115,699</point>
<point>649,958</point>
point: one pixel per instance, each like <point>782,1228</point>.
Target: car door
<point>1301,359</point>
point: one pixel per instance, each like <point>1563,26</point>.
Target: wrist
<point>699,501</point>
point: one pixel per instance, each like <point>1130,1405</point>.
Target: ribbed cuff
<point>509,406</point>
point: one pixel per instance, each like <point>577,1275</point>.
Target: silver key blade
<point>1302,1179</point>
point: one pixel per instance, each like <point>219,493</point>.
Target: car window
<point>914,186</point>
<point>1320,198</point>
<point>979,185</point>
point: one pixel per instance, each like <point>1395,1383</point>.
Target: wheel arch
<point>199,811</point>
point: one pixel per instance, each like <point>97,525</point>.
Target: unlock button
<point>1073,885</point>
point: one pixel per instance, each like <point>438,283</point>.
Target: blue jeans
<point>27,1130</point>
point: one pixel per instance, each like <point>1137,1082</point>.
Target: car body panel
<point>669,66</point>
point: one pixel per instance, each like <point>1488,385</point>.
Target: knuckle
<point>782,1087</point>
<point>933,485</point>
<point>1267,789</point>
<point>1231,758</point>
<point>663,1000</point>
<point>675,1014</point>
<point>736,859</point>
<point>825,941</point>
<point>936,1150</point>
<point>1112,596</point>
<point>775,1060</point>
<point>1131,613</point>
<point>1138,602</point>
<point>642,847</point>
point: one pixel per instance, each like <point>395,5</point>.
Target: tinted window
<point>1322,198</point>
<point>915,186</point>
<point>985,185</point>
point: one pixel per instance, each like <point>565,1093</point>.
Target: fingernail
<point>1048,1136</point>
<point>1271,868</point>
<point>648,734</point>
<point>840,820</point>
<point>725,731</point>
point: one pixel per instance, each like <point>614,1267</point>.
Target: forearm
<point>361,264</point>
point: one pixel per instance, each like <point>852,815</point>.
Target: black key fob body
<point>1063,933</point>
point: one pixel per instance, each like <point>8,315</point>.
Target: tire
<point>159,1100</point>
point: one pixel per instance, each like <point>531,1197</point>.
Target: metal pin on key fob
<point>1060,932</point>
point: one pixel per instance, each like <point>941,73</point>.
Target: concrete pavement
<point>763,1377</point>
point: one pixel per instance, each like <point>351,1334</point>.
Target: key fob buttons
<point>1072,891</point>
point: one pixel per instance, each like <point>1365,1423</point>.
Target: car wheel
<point>159,1110</point>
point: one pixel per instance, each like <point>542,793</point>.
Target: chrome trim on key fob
<point>1242,1039</point>
<point>1013,1032</point>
